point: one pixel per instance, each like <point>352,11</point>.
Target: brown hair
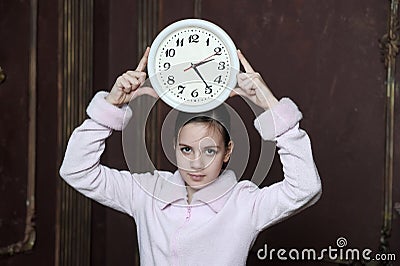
<point>216,119</point>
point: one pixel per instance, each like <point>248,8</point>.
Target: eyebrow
<point>207,147</point>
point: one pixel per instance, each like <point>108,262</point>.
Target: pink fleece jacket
<point>224,218</point>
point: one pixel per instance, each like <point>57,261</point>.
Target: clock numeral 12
<point>194,38</point>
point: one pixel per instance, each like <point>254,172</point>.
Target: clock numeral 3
<point>221,66</point>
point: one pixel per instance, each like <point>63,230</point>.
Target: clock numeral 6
<point>170,52</point>
<point>171,80</point>
<point>195,93</point>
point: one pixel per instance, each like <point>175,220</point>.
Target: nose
<point>197,163</point>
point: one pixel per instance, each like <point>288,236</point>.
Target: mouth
<point>196,177</point>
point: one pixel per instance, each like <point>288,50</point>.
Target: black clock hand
<point>194,66</point>
<point>203,62</point>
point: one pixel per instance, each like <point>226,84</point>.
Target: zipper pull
<point>189,210</point>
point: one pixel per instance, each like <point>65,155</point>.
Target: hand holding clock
<point>126,87</point>
<point>252,86</point>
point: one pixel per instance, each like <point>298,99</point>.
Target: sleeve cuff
<point>277,120</point>
<point>107,114</point>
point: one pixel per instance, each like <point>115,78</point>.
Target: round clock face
<point>193,65</point>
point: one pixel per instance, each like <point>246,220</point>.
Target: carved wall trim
<point>30,234</point>
<point>390,49</point>
<point>75,82</point>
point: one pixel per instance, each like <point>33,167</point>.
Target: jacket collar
<point>172,190</point>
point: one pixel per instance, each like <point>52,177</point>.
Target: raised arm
<point>301,185</point>
<point>81,166</point>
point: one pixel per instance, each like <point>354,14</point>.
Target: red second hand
<point>186,69</point>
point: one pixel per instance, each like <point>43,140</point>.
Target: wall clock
<point>193,65</point>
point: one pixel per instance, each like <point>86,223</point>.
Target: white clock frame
<point>232,51</point>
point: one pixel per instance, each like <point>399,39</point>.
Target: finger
<point>246,65</point>
<point>123,84</point>
<point>143,62</point>
<point>141,76</point>
<point>132,80</point>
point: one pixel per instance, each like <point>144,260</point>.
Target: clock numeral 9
<point>194,38</point>
<point>170,52</point>
<point>167,66</point>
<point>171,80</point>
<point>195,93</point>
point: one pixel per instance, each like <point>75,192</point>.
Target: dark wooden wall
<point>325,55</point>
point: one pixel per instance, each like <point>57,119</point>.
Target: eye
<point>210,152</point>
<point>186,150</point>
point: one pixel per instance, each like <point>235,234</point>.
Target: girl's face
<point>200,154</point>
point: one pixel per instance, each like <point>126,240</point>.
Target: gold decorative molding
<point>197,8</point>
<point>30,234</point>
<point>390,47</point>
<point>75,82</point>
<point>2,76</point>
<point>148,27</point>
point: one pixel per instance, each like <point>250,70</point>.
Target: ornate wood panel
<point>75,89</point>
<point>18,120</point>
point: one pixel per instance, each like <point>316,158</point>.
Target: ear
<point>229,151</point>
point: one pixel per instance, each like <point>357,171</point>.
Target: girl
<point>199,215</point>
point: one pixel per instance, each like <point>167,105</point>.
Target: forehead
<point>193,133</point>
